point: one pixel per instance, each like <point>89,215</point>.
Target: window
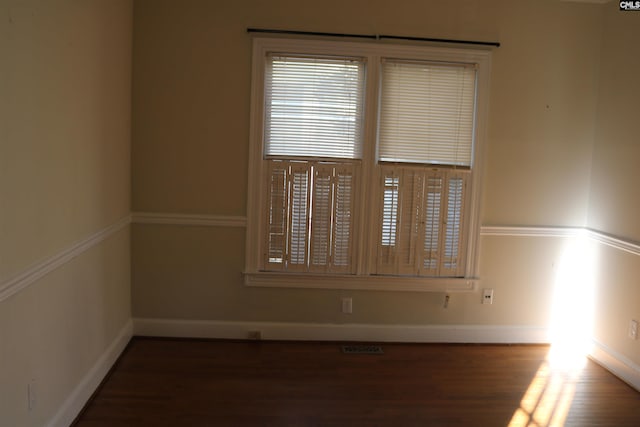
<point>425,141</point>
<point>312,139</point>
<point>364,165</point>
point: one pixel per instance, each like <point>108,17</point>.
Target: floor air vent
<point>362,349</point>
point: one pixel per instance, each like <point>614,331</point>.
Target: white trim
<point>618,364</point>
<point>519,231</point>
<point>189,219</point>
<point>46,266</point>
<point>81,394</point>
<point>356,282</point>
<point>622,244</point>
<point>615,242</point>
<point>626,245</point>
<point>341,332</point>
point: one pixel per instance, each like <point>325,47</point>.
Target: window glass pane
<point>390,210</point>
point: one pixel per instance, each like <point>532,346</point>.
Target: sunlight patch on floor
<point>548,399</point>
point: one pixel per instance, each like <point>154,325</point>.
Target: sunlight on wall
<point>548,399</point>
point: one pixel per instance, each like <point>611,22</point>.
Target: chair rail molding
<point>189,219</point>
<point>621,243</point>
<point>43,267</point>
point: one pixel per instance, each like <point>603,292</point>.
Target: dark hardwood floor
<point>172,382</point>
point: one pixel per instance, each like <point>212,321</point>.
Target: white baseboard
<point>341,332</point>
<point>616,363</point>
<point>90,382</point>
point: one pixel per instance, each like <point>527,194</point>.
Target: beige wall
<point>543,98</point>
<point>191,107</point>
<point>192,92</point>
<point>65,81</point>
<point>560,152</point>
<point>614,202</point>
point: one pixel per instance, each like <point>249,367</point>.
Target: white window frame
<point>366,233</point>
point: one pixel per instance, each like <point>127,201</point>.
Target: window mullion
<point>369,198</point>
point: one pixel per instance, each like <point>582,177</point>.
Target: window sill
<point>353,282</point>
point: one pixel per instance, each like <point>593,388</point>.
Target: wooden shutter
<point>331,227</point>
<point>299,193</point>
<point>422,221</point>
<point>309,219</point>
<point>432,220</point>
<point>452,263</point>
<point>399,220</point>
<point>321,218</point>
<point>277,215</point>
<point>344,186</point>
<point>411,191</point>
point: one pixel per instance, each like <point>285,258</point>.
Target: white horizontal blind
<point>427,112</point>
<point>313,107</point>
<point>422,221</point>
<point>309,216</point>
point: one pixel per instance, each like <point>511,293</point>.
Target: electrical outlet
<point>347,305</point>
<point>633,329</point>
<point>487,296</point>
<point>254,335</point>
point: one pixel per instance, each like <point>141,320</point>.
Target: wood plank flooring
<point>173,382</point>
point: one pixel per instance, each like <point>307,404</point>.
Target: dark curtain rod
<point>370,36</point>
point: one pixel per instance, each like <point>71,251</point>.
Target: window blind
<point>427,112</point>
<point>313,107</point>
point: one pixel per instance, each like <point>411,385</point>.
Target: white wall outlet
<point>32,395</point>
<point>633,329</point>
<point>347,305</point>
<point>487,296</point>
